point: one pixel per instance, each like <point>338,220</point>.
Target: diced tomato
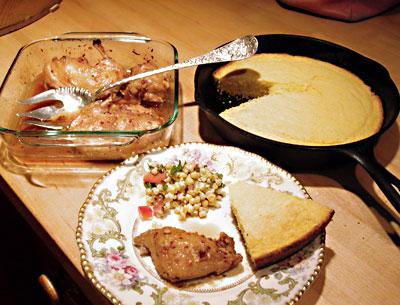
<point>157,178</point>
<point>158,208</point>
<point>145,212</point>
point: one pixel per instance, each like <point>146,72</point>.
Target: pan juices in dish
<point>299,100</point>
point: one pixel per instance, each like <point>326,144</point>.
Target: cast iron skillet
<point>303,156</point>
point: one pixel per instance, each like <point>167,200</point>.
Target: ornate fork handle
<point>236,50</point>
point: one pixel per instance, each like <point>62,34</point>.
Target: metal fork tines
<point>43,113</point>
<point>71,98</point>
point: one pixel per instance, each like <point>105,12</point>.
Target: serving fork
<point>73,98</point>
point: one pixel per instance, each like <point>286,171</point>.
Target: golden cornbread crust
<point>274,256</point>
<point>299,100</point>
<point>275,225</point>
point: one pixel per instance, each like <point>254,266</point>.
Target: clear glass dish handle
<point>79,141</point>
<point>125,36</point>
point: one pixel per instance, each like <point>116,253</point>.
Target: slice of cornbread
<point>275,224</point>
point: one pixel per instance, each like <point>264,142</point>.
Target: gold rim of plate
<point>87,269</point>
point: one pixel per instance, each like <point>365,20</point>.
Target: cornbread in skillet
<point>299,100</point>
<point>275,224</point>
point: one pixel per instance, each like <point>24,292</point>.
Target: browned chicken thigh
<point>179,255</point>
<point>78,72</point>
<point>152,90</point>
<point>116,115</point>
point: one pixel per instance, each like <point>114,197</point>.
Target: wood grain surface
<point>362,263</point>
<point>15,14</point>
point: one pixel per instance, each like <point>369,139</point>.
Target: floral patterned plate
<point>108,220</point>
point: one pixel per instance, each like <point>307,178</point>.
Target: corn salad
<point>188,189</point>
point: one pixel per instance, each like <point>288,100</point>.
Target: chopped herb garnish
<point>148,185</point>
<point>220,176</point>
<point>176,168</point>
<point>165,187</point>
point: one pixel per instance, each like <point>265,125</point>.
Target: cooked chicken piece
<point>152,90</point>
<point>70,71</point>
<point>78,72</point>
<point>179,255</point>
<point>116,115</point>
<point>129,107</point>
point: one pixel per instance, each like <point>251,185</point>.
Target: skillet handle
<point>387,182</point>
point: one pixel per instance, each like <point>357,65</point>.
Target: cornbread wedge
<point>274,224</point>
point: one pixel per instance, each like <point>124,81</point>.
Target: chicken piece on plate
<point>179,255</point>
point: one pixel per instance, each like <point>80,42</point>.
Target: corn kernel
<point>212,198</point>
<point>154,171</point>
<point>195,175</point>
<point>202,214</point>
<point>181,184</point>
<point>220,192</point>
<point>189,180</point>
<point>205,203</point>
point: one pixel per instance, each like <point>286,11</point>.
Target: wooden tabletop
<point>17,14</point>
<point>362,263</point>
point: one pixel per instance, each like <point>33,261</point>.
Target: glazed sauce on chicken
<point>180,256</point>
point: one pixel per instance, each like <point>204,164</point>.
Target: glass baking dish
<point>128,50</point>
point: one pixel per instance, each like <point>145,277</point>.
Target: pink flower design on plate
<point>118,270</point>
<point>131,270</point>
<point>116,261</point>
<point>196,156</point>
